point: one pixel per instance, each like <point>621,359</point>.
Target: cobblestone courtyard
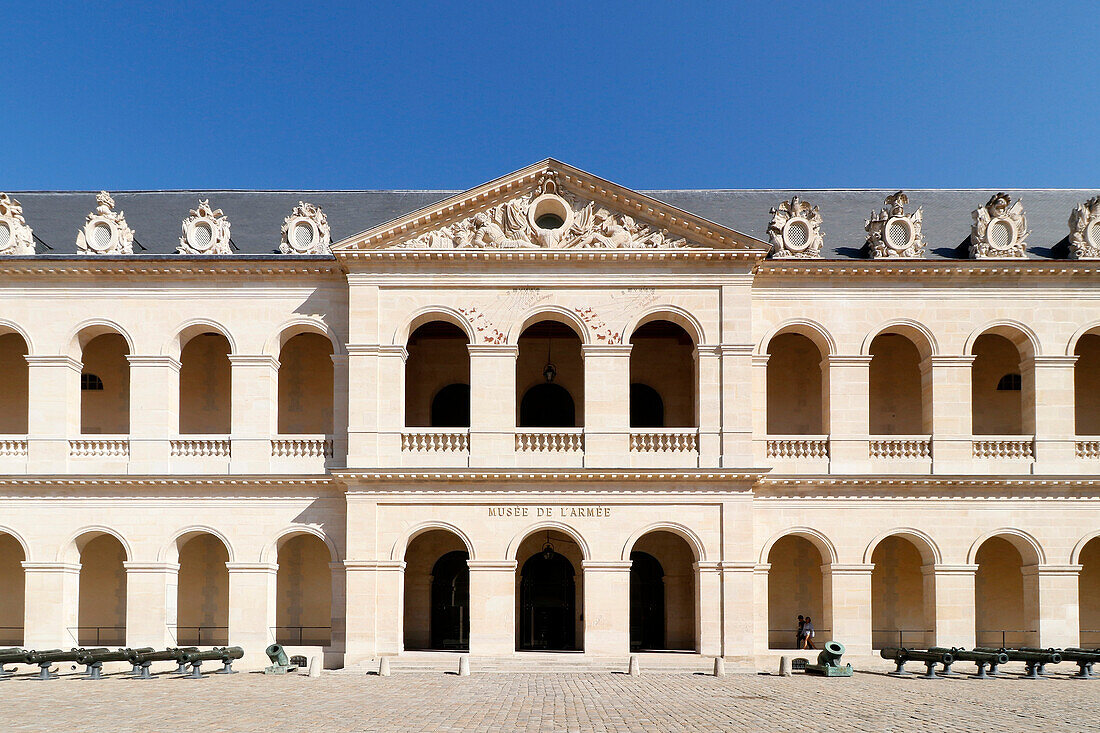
<point>548,702</point>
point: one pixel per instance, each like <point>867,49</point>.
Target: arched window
<point>437,377</point>
<point>14,372</point>
<point>451,407</point>
<point>647,409</point>
<point>662,365</point>
<point>306,385</point>
<point>205,386</point>
<point>796,397</point>
<point>105,386</point>
<point>547,406</point>
<point>998,394</point>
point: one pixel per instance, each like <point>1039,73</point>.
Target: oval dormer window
<point>898,235</point>
<point>201,236</point>
<point>1093,234</point>
<point>303,236</point>
<point>1000,234</point>
<point>101,236</point>
<point>5,234</point>
<point>797,235</point>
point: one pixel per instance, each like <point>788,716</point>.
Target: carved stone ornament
<point>546,218</point>
<point>893,233</point>
<point>306,231</point>
<point>999,230</point>
<point>795,230</point>
<point>16,238</point>
<point>105,231</point>
<point>1084,231</point>
<point>205,232</point>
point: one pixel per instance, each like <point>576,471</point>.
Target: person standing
<point>801,629</point>
<point>808,634</point>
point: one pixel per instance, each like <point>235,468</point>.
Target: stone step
<point>442,662</point>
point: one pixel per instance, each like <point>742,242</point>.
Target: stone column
<point>950,403</point>
<point>338,617</point>
<point>760,607</point>
<point>759,400</point>
<point>492,607</point>
<point>151,589</point>
<point>52,601</point>
<point>375,606</point>
<point>606,607</point>
<point>606,406</point>
<point>391,403</point>
<point>341,395</point>
<point>54,395</point>
<point>493,405</point>
<point>709,388</point>
<point>154,412</point>
<point>708,586</point>
<point>738,405</point>
<point>1057,617</point>
<point>252,588</point>
<point>739,608</point>
<point>362,405</point>
<point>1054,414</point>
<point>255,401</point>
<point>955,616</point>
<point>848,588</point>
<point>848,413</point>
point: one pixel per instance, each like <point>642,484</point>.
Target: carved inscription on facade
<point>548,512</point>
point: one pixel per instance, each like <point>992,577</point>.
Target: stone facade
<point>547,413</point>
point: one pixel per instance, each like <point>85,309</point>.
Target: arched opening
<point>1086,385</point>
<point>795,588</point>
<point>437,592</point>
<point>1088,590</point>
<point>437,377</point>
<point>662,377</point>
<point>550,377</point>
<point>1001,387</point>
<point>897,389</point>
<point>1005,600</point>
<point>550,597</point>
<point>796,395</point>
<point>662,594</point>
<point>105,386</point>
<point>202,598</point>
<point>101,619</point>
<point>902,608</point>
<point>12,588</point>
<point>14,398</point>
<point>303,612</point>
<point>305,385</point>
<point>205,386</point>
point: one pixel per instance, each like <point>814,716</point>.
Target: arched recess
<point>1003,379</point>
<point>1006,598</point>
<point>899,390</point>
<point>192,328</point>
<point>823,544</point>
<point>205,382</point>
<point>101,604</point>
<point>437,376</point>
<point>400,547</point>
<point>903,596</point>
<point>306,385</point>
<point>571,534</point>
<point>170,551</point>
<point>553,313</point>
<point>812,330</point>
<point>202,594</point>
<point>13,553</point>
<point>1086,382</point>
<point>442,314</point>
<point>797,382</point>
<point>550,590</point>
<point>102,348</point>
<point>662,360</point>
<point>550,360</point>
<point>673,314</point>
<point>15,373</point>
<point>437,591</point>
<point>303,608</point>
<point>296,327</point>
<point>1087,555</point>
<point>70,550</point>
<point>684,532</point>
<point>90,329</point>
<point>921,336</point>
<point>796,586</point>
<point>664,593</point>
<point>929,551</point>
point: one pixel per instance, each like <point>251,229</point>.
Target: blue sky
<point>652,95</point>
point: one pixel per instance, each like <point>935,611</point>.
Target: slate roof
<point>257,216</point>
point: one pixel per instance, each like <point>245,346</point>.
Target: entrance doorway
<point>647,602</point>
<point>451,602</point>
<point>547,597</point>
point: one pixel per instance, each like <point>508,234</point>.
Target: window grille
<point>201,236</point>
<point>1009,383</point>
<point>5,234</point>
<point>797,235</point>
<point>303,236</point>
<point>102,235</point>
<point>999,234</point>
<point>91,383</point>
<point>897,234</point>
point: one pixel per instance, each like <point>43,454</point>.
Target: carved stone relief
<point>547,217</point>
<point>795,230</point>
<point>1084,230</point>
<point>306,231</point>
<point>205,232</point>
<point>105,231</point>
<point>999,229</point>
<point>16,238</point>
<point>893,233</point>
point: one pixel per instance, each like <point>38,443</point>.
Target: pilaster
<point>762,640</point>
<point>738,608</point>
<point>252,589</point>
<point>758,397</point>
<point>950,402</point>
<point>1057,617</point>
<point>606,607</point>
<point>493,406</point>
<point>340,397</point>
<point>1054,412</point>
<point>954,622</point>
<point>54,394</point>
<point>154,412</point>
<point>735,404</point>
<point>848,412</point>
<point>51,607</point>
<point>849,588</point>
<point>708,586</point>
<point>606,405</point>
<point>255,401</point>
<point>492,606</point>
<point>151,589</point>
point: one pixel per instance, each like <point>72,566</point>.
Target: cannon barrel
<point>1037,657</point>
<point>219,653</point>
<point>13,656</point>
<point>920,655</point>
<point>277,655</point>
<point>997,657</point>
<point>131,653</point>
<point>173,654</point>
<point>51,655</point>
<point>894,653</point>
<point>92,656</point>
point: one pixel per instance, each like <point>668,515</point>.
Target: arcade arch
<point>13,583</point>
<point>663,376</point>
<point>549,592</point>
<point>306,385</point>
<point>105,385</point>
<point>437,376</point>
<point>664,609</point>
<point>899,395</point>
<point>550,376</point>
<point>205,385</point>
<point>1088,592</point>
<point>796,386</point>
<point>1006,598</point>
<point>1003,383</point>
<point>101,605</point>
<point>1086,384</point>
<point>14,371</point>
<point>796,588</point>
<point>202,598</point>
<point>437,592</point>
<point>303,611</point>
<point>903,608</point>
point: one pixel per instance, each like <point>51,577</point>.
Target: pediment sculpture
<point>999,230</point>
<point>305,231</point>
<point>1084,230</point>
<point>16,238</point>
<point>105,231</point>
<point>205,232</point>
<point>891,232</point>
<point>795,230</point>
<point>548,217</point>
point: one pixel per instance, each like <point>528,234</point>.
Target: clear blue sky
<point>365,95</point>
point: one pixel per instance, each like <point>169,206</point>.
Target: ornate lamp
<point>548,550</point>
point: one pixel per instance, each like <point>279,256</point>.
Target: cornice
<point>130,481</point>
<point>548,255</point>
<point>578,478</point>
<point>848,268</point>
<point>168,265</point>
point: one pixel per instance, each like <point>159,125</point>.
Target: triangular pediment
<point>550,206</point>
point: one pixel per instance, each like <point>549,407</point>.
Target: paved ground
<point>548,702</point>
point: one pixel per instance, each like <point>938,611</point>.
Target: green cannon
<point>280,664</point>
<point>954,652</point>
<point>143,660</point>
<point>900,656</point>
<point>1035,662</point>
<point>828,662</point>
<point>225,655</point>
<point>1083,658</point>
<point>48,657</point>
<point>93,660</point>
<point>11,655</point>
<point>983,659</point>
<point>135,669</point>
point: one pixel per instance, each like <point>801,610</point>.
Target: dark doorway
<point>547,406</point>
<point>450,625</point>
<point>647,409</point>
<point>547,603</point>
<point>647,602</point>
<point>451,407</point>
